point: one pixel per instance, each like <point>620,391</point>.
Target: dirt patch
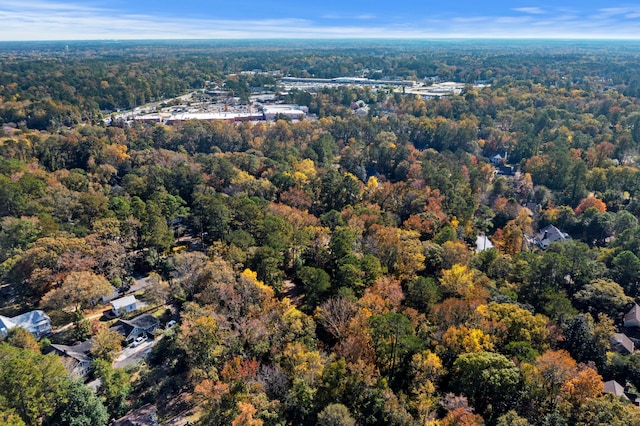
<point>293,292</point>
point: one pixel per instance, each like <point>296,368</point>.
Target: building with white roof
<point>35,322</point>
<point>124,305</point>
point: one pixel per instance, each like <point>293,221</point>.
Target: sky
<point>248,19</point>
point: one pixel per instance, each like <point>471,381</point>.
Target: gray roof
<point>633,314</point>
<point>79,351</point>
<point>615,388</point>
<point>550,234</point>
<point>621,340</point>
<point>144,322</point>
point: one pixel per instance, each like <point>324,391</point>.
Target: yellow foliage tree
<point>458,281</point>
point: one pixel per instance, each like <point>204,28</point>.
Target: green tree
<point>80,408</point>
<point>30,383</point>
<point>489,380</point>
<point>604,296</point>
<point>114,387</point>
<point>394,341</point>
<point>335,415</point>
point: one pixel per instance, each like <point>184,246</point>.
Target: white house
<point>124,305</point>
<point>35,322</point>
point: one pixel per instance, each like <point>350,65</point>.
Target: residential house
<point>78,357</point>
<point>622,343</point>
<point>615,388</point>
<point>483,243</point>
<point>35,322</point>
<point>142,325</point>
<point>124,305</point>
<point>618,390</point>
<point>109,297</point>
<point>498,159</point>
<point>632,318</point>
<point>547,235</point>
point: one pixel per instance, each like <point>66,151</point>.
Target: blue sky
<point>161,19</point>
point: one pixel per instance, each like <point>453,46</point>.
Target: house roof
<point>6,323</point>
<point>624,341</point>
<point>123,301</point>
<point>615,388</point>
<point>633,314</point>
<point>483,243</point>
<point>30,318</point>
<point>550,234</point>
<point>79,351</point>
<point>144,322</point>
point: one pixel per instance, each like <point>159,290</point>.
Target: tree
<point>316,284</point>
<point>394,341</point>
<point>590,202</point>
<point>114,387</point>
<point>30,383</point>
<point>199,337</point>
<point>335,415</point>
<point>78,290</point>
<point>520,324</point>
<point>511,418</point>
<point>335,315</point>
<point>489,380</point>
<point>106,344</point>
<point>80,408</point>
<point>158,289</point>
<point>604,296</point>
<point>458,281</point>
<point>21,338</point>
<point>607,410</point>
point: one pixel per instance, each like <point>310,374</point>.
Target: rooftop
<point>123,301</point>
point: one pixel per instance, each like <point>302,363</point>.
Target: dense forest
<point>325,271</point>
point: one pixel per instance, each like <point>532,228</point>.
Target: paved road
<point>131,355</point>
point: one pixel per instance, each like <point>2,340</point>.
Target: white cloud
<point>530,10</point>
<point>42,20</point>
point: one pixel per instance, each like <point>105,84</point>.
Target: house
<point>143,416</point>
<point>483,243</point>
<point>615,388</point>
<point>35,322</point>
<point>632,318</point>
<point>549,234</point>
<point>78,357</point>
<point>622,344</point>
<point>109,297</point>
<point>142,325</point>
<point>124,305</point>
<point>498,159</point>
<point>506,170</point>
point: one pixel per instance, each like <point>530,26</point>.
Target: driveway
<point>131,355</point>
<point>139,284</point>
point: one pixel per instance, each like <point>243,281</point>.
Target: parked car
<point>171,323</point>
<point>138,340</point>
